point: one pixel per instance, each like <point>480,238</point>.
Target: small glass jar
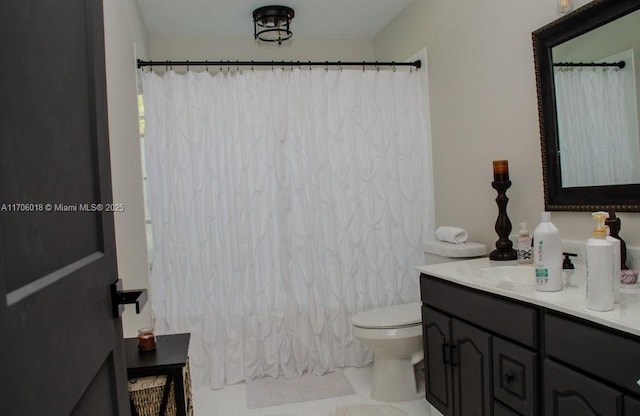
<point>146,339</point>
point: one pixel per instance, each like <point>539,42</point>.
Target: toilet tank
<point>440,252</point>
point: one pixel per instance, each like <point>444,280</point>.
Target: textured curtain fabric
<point>283,202</point>
<point>596,147</point>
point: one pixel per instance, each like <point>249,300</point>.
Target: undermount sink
<point>510,275</point>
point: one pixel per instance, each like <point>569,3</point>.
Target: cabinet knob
<point>508,378</point>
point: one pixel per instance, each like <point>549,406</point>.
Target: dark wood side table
<point>169,358</point>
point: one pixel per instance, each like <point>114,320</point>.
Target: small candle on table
<point>500,170</point>
<point>146,339</point>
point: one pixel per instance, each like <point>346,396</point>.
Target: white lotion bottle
<point>599,268</point>
<point>547,255</point>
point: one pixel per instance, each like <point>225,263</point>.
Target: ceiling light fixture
<point>565,6</point>
<point>271,24</point>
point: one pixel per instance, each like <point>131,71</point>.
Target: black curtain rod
<point>141,63</point>
<point>620,64</point>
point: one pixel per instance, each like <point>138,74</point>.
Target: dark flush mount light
<point>271,24</point>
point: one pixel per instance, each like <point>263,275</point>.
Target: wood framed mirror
<point>590,158</point>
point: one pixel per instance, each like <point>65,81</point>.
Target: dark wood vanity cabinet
<point>471,368</point>
<point>490,355</point>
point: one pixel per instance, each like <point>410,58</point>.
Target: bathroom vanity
<point>495,346</point>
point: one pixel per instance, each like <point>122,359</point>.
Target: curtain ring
<point>187,65</point>
<point>363,68</point>
<point>393,66</point>
<point>326,67</point>
<point>272,65</point>
<point>309,65</point>
<point>252,64</point>
<point>237,66</point>
<point>340,66</point>
<point>377,67</point>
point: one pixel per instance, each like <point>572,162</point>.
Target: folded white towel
<point>455,235</point>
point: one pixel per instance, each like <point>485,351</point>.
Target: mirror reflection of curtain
<point>282,203</point>
<point>595,147</point>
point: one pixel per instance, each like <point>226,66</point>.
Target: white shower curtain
<point>595,144</point>
<point>283,202</point>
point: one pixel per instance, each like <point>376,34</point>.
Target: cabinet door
<point>515,372</point>
<point>631,407</point>
<point>471,364</point>
<point>567,393</point>
<point>436,333</point>
<point>501,410</point>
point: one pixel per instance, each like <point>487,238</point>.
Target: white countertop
<point>570,300</point>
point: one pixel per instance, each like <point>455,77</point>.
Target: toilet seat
<point>391,317</point>
<point>387,333</point>
<point>388,327</point>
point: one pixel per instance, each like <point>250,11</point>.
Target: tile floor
<point>230,400</point>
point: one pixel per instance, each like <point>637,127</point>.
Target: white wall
<point>124,33</point>
<point>484,107</point>
<point>236,48</point>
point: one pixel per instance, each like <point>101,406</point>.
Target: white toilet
<point>395,335</point>
<point>395,332</point>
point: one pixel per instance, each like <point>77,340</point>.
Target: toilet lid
<point>397,316</point>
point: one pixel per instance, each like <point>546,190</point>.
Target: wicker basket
<point>146,394</point>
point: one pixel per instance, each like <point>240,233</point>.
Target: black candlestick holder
<point>504,247</point>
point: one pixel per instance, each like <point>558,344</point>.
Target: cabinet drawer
<point>507,318</point>
<point>514,376</point>
<point>614,357</point>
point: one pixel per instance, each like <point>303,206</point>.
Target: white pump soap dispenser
<point>599,268</point>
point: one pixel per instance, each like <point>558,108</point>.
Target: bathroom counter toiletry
<point>518,282</point>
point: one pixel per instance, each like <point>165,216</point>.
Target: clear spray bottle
<point>525,249</point>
